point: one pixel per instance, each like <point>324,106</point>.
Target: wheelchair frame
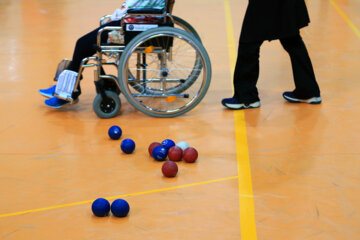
<point>115,51</point>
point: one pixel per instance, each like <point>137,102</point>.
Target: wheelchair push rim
<point>157,98</point>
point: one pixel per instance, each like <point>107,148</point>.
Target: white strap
<point>66,84</point>
<point>119,13</point>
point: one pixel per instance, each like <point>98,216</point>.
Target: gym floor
<point>283,171</point>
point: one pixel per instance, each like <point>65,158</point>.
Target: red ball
<point>169,169</point>
<point>152,146</point>
<point>190,155</point>
<point>175,153</point>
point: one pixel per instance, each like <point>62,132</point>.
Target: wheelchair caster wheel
<point>107,108</point>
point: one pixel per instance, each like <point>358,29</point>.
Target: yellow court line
<point>115,197</point>
<point>346,18</point>
<point>246,199</point>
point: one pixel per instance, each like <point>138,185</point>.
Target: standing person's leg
<point>245,78</point>
<point>306,87</point>
<point>247,72</point>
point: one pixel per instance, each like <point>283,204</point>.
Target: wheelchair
<point>163,68</point>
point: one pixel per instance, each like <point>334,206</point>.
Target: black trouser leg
<point>247,72</point>
<point>304,77</point>
<point>85,48</point>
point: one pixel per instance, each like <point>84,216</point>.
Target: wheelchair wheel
<point>107,108</point>
<point>181,24</point>
<point>174,76</point>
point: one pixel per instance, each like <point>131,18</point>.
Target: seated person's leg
<point>84,48</point>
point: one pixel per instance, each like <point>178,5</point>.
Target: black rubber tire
<point>107,110</point>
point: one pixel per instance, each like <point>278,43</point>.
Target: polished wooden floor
<point>305,159</point>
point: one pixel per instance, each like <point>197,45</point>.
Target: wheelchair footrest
<point>71,100</point>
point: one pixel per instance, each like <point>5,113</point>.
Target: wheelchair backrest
<point>154,4</point>
<point>167,5</point>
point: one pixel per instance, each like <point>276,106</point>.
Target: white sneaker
<point>233,103</point>
<point>290,97</point>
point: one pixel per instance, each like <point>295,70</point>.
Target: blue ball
<point>100,207</point>
<point>160,153</point>
<point>168,143</point>
<point>115,132</point>
<point>127,146</point>
<point>120,208</point>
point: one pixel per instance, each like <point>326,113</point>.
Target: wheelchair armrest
<point>105,19</point>
<point>102,30</point>
<point>145,11</point>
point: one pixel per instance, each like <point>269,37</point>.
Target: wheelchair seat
<point>145,11</point>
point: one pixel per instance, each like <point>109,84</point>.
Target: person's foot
<point>49,92</point>
<point>290,97</point>
<point>55,102</point>
<point>233,103</point>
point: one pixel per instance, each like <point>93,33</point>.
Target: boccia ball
<point>159,153</point>
<point>152,146</point>
<point>115,132</point>
<point>183,145</point>
<point>120,208</point>
<point>175,153</point>
<point>190,155</point>
<point>100,207</point>
<point>168,143</point>
<point>127,146</point>
<point>169,169</point>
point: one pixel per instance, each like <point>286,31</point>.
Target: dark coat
<point>170,5</point>
<point>273,19</point>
